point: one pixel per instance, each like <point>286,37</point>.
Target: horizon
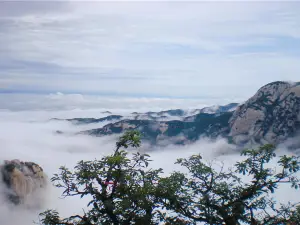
<point>147,49</point>
<point>27,100</point>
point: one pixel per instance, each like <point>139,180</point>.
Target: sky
<point>66,59</point>
<point>175,50</point>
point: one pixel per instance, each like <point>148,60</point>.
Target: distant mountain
<point>175,131</point>
<point>80,121</point>
<point>272,115</point>
<point>209,110</point>
<point>175,126</point>
<point>173,114</point>
<point>167,115</point>
<point>216,109</point>
<point>107,112</point>
<point>219,109</point>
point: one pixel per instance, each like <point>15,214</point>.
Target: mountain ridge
<point>271,115</point>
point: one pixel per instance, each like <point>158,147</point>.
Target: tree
<point>123,190</point>
<point>223,197</point>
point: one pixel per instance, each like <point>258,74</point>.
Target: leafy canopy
<point>124,190</point>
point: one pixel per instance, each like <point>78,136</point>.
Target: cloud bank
<point>57,102</point>
<point>32,138</point>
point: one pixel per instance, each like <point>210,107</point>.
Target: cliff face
<point>24,180</point>
<point>270,116</point>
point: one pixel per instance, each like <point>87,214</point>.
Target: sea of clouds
<point>29,135</point>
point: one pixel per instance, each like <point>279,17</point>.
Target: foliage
<point>125,191</point>
<point>223,197</point>
<point>122,189</point>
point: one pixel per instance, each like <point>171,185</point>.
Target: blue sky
<point>152,49</point>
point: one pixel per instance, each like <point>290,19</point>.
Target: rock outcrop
<point>22,179</point>
<point>271,116</point>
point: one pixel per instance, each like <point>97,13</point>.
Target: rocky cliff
<point>23,180</point>
<point>270,116</point>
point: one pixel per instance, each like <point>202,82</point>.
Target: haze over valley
<point>208,78</point>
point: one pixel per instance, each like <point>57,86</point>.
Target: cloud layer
<point>125,57</point>
<point>57,102</point>
<point>29,137</point>
<point>171,49</point>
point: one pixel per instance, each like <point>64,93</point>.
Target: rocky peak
<point>270,116</point>
<point>23,180</point>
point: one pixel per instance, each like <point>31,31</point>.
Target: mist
<point>30,136</point>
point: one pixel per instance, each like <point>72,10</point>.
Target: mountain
<point>175,126</point>
<point>271,116</point>
<point>175,131</point>
<point>216,109</point>
<point>219,109</point>
<point>173,114</point>
<point>167,115</point>
<point>80,121</point>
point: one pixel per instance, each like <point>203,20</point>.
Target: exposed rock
<point>23,180</point>
<point>270,116</point>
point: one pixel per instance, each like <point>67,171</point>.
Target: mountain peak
<point>270,116</point>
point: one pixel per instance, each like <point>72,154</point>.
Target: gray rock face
<point>270,116</point>
<point>23,180</point>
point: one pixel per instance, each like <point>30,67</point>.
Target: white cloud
<point>170,48</point>
<point>59,102</point>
